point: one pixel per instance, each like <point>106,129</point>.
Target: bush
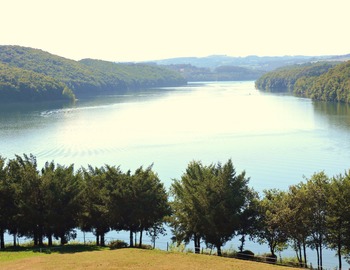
<point>143,246</point>
<point>271,258</point>
<point>245,255</point>
<point>116,244</point>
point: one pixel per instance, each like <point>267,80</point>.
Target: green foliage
<point>33,74</point>
<point>17,84</point>
<point>208,202</point>
<point>284,79</point>
<point>319,81</point>
<point>117,244</point>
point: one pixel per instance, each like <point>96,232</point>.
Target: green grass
<point>21,252</point>
<point>91,257</point>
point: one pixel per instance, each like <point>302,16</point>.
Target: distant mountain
<point>263,63</point>
<point>30,68</point>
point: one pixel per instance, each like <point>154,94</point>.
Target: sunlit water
<point>276,139</point>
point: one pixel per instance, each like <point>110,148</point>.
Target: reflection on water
<point>276,138</point>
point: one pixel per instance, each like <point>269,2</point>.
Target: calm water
<point>277,139</point>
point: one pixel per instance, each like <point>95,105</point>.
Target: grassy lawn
<point>97,258</point>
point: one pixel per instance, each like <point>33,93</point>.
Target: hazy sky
<point>135,30</point>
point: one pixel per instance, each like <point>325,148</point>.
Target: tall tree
<point>271,221</point>
<point>338,217</point>
<point>186,220</point>
<point>95,214</point>
<point>298,217</point>
<point>225,195</point>
<point>316,200</point>
<point>62,200</point>
<point>208,203</point>
<point>152,199</point>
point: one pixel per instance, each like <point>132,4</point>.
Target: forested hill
<point>17,84</point>
<point>327,81</point>
<point>131,75</point>
<point>88,77</point>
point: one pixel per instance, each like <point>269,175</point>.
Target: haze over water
<point>276,138</point>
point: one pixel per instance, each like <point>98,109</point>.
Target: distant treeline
<point>27,73</point>
<point>221,73</point>
<point>325,81</point>
<point>210,204</point>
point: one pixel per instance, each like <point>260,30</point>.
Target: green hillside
<point>326,81</point>
<point>22,85</point>
<point>132,75</point>
<point>88,77</point>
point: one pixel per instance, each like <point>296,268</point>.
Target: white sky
<point>137,30</point>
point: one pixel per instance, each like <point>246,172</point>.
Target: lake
<point>277,139</point>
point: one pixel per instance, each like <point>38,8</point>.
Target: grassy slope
<point>128,259</point>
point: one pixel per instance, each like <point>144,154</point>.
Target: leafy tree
<point>316,201</point>
<point>338,217</point>
<point>29,198</point>
<point>95,215</point>
<point>208,203</point>
<point>6,201</point>
<point>152,199</point>
<point>225,195</point>
<point>62,200</point>
<point>298,217</point>
<point>249,218</point>
<point>271,222</point>
<point>186,220</point>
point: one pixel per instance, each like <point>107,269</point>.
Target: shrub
<point>245,255</point>
<point>117,244</point>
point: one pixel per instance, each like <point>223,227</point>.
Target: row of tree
<point>214,204</point>
<point>210,203</point>
<point>54,201</point>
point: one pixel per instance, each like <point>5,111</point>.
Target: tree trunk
<point>97,239</point>
<point>304,249</point>
<point>102,239</point>
<point>49,239</point>
<point>321,259</point>
<point>140,244</point>
<point>35,239</point>
<point>14,240</point>
<point>197,244</point>
<point>318,257</point>
<point>63,239</point>
<point>300,256</point>
<point>219,250</point>
<point>131,238</point>
<point>2,240</point>
<point>339,255</point>
<point>242,243</point>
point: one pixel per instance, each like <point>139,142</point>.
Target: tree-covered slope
<point>221,73</point>
<point>333,85</point>
<point>327,81</point>
<point>17,84</point>
<point>75,75</point>
<point>132,75</point>
<point>283,79</point>
<point>88,77</point>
